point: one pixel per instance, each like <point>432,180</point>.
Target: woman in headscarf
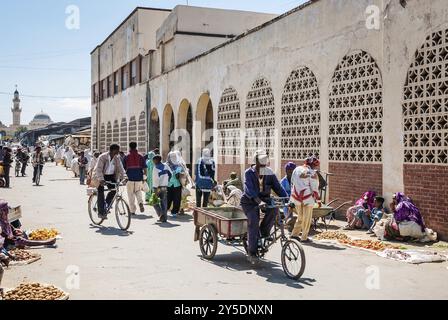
<point>174,185</point>
<point>406,215</point>
<point>205,178</point>
<point>16,237</point>
<point>286,181</point>
<point>150,168</point>
<point>365,202</point>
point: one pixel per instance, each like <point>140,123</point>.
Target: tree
<point>20,131</point>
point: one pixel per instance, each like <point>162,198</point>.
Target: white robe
<point>308,187</point>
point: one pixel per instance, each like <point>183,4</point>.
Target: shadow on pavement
<point>111,231</point>
<point>326,246</point>
<point>142,217</point>
<point>167,225</point>
<point>271,271</point>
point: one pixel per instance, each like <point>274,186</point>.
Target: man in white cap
<point>205,178</point>
<point>260,180</point>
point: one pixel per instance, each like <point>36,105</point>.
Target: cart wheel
<point>208,241</point>
<point>293,259</point>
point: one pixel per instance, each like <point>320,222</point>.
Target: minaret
<point>16,110</point>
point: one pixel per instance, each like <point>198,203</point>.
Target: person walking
<point>108,170</point>
<point>205,178</point>
<point>82,163</point>
<point>37,161</point>
<point>174,184</point>
<point>304,195</point>
<point>135,166</point>
<point>7,160</point>
<point>161,174</point>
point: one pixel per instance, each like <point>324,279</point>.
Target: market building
<point>361,83</point>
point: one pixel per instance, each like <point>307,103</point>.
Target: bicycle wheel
<point>93,210</point>
<point>293,259</point>
<point>208,241</point>
<point>37,181</point>
<point>122,214</point>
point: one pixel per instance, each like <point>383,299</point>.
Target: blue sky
<point>52,63</point>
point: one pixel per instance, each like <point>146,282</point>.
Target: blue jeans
<point>162,208</point>
<point>82,175</point>
<point>362,215</point>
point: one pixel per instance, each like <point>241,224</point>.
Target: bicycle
<point>122,211</point>
<point>229,226</point>
<point>38,174</point>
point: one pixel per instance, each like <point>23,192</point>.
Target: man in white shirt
<point>161,174</point>
<point>304,195</point>
<point>108,170</point>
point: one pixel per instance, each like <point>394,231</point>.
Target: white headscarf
<point>207,156</point>
<point>262,157</point>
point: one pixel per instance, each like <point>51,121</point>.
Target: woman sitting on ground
<point>365,202</point>
<point>16,237</point>
<point>407,222</point>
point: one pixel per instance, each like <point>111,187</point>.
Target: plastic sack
<point>412,256</point>
<point>380,229</point>
<point>410,229</point>
<point>145,187</point>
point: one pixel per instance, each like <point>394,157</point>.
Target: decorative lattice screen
<point>123,134</point>
<point>103,138</point>
<point>260,118</point>
<point>116,134</point>
<point>300,116</point>
<point>425,108</point>
<point>142,133</point>
<point>94,137</point>
<point>132,130</point>
<point>108,135</point>
<point>229,123</point>
<point>356,110</point>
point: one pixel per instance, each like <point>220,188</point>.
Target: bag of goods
<point>154,200</point>
<point>43,234</point>
<point>35,291</point>
<point>411,229</point>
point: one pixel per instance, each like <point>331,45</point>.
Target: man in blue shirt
<point>260,180</point>
<point>371,217</point>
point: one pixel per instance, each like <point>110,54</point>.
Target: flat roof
<point>243,35</point>
<point>126,19</point>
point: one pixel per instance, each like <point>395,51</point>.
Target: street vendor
<point>15,237</point>
<point>368,217</point>
<point>365,202</point>
<point>205,178</point>
<point>233,180</point>
<point>260,180</point>
<point>304,195</point>
<point>407,221</point>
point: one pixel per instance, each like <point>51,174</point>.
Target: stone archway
<point>185,133</point>
<point>167,129</point>
<point>204,125</point>
<point>154,130</point>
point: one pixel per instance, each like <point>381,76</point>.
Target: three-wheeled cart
<point>228,226</point>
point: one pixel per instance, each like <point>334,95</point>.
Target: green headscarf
<point>150,167</point>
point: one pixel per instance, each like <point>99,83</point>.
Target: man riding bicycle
<point>108,170</point>
<point>260,180</point>
<point>37,161</point>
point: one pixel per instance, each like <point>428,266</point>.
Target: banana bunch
<point>43,234</point>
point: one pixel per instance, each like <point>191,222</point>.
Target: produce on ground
<point>369,244</point>
<point>23,255</point>
<point>34,291</point>
<point>43,234</point>
<point>331,235</point>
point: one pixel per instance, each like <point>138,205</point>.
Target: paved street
<point>154,262</point>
